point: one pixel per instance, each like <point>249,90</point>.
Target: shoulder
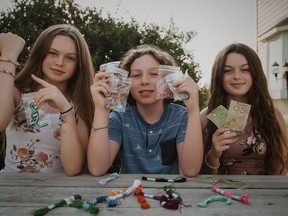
<point>177,107</point>
<point>129,111</point>
<point>280,118</point>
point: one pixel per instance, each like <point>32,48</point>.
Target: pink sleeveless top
<point>245,156</point>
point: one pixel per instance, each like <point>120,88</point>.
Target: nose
<point>145,79</point>
<point>60,60</point>
<point>236,74</point>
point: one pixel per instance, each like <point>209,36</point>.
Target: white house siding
<point>269,14</point>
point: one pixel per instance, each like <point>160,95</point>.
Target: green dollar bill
<point>237,115</point>
<point>218,116</point>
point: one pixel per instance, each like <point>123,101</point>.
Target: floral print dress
<point>245,156</point>
<point>33,148</point>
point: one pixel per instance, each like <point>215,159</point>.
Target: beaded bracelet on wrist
<point>16,64</point>
<point>7,72</point>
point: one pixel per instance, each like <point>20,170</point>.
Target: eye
<point>52,53</point>
<point>245,70</point>
<point>134,75</point>
<point>71,58</point>
<point>155,74</point>
<point>227,70</point>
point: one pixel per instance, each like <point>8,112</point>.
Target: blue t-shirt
<point>147,148</point>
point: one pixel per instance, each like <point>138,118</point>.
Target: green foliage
<point>108,38</point>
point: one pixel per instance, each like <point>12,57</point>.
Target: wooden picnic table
<point>23,193</point>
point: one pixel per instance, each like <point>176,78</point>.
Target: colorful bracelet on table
<point>86,205</point>
<point>113,197</point>
<point>243,199</point>
<point>111,177</point>
<point>204,203</point>
<point>141,199</point>
<point>68,201</point>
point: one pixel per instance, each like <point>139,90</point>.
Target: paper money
<point>237,115</point>
<point>218,116</point>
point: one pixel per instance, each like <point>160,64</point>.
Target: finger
<point>40,81</point>
<point>100,76</point>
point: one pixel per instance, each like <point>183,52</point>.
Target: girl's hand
<point>221,140</point>
<point>11,45</point>
<point>189,86</point>
<point>100,89</point>
<point>51,95</point>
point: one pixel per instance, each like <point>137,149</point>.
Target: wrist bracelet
<point>61,113</point>
<point>7,72</point>
<point>9,60</point>
<point>211,167</point>
<point>95,129</point>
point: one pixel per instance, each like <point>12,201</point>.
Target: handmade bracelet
<point>62,113</point>
<point>9,60</point>
<point>7,72</point>
<point>95,129</point>
<point>211,167</point>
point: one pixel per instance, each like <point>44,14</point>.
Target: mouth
<point>56,71</point>
<point>237,84</point>
<point>146,92</point>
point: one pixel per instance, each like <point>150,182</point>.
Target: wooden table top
<point>22,194</point>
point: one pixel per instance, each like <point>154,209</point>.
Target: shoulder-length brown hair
<point>79,85</point>
<point>164,58</point>
<point>262,108</point>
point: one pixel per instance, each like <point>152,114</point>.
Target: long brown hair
<point>79,85</point>
<point>262,108</point>
<point>164,58</point>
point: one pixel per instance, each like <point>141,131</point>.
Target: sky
<point>216,22</point>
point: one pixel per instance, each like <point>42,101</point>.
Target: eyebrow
<point>53,49</point>
<point>240,65</point>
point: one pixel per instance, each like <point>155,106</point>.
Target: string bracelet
<point>71,108</point>
<point>7,72</point>
<point>9,60</point>
<point>243,199</point>
<point>204,203</point>
<point>100,128</point>
<point>66,201</point>
<point>211,167</point>
<point>141,198</point>
<point>64,115</point>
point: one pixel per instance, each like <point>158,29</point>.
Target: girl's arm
<point>11,46</point>
<point>206,167</point>
<point>74,141</point>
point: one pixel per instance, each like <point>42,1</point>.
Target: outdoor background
<point>216,22</point>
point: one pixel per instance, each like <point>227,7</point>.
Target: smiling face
<point>237,79</point>
<point>144,75</point>
<point>60,63</point>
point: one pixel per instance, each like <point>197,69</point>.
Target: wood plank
<point>86,180</point>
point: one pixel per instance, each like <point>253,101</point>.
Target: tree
<point>108,38</point>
